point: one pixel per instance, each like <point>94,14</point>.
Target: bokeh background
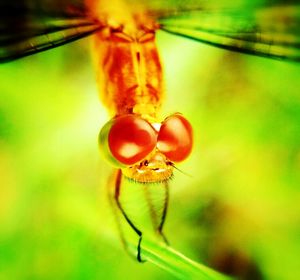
<point>238,212</point>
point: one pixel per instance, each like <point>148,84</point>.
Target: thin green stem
<point>174,262</point>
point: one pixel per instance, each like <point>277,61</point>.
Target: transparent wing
<point>271,31</point>
<point>28,27</point>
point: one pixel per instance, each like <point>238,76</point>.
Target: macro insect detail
<point>146,152</point>
<point>141,146</point>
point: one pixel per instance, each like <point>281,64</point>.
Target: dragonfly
<point>140,146</point>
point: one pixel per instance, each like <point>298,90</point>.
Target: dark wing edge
<point>40,37</point>
<point>30,27</point>
<point>266,31</point>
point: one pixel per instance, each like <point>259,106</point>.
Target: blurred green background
<point>239,210</point>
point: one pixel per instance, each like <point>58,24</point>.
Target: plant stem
<point>174,262</point>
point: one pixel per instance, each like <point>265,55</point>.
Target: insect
<point>129,72</point>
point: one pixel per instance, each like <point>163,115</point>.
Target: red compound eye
<point>131,139</point>
<point>175,138</point>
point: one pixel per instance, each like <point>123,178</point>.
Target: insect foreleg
<point>116,197</point>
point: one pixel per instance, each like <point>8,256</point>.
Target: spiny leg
<point>157,221</point>
<point>116,197</point>
<point>164,213</point>
<point>114,209</point>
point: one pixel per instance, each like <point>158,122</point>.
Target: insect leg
<point>164,213</point>
<point>117,218</point>
<point>158,216</point>
<point>116,197</point>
